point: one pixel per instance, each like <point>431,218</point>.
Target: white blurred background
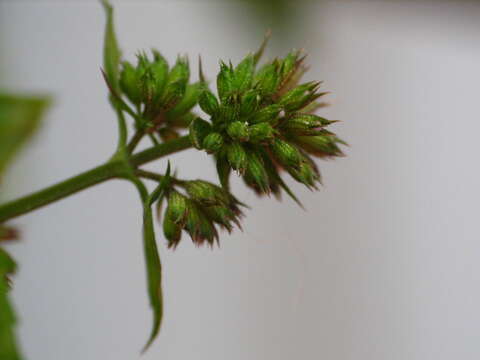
<point>385,262</point>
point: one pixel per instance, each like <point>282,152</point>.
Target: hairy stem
<point>99,174</point>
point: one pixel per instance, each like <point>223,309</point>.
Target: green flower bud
<point>256,173</point>
<point>206,193</point>
<point>188,101</point>
<point>212,142</point>
<point>199,226</point>
<point>177,83</point>
<point>199,129</point>
<point>159,71</point>
<point>289,64</point>
<point>267,114</point>
<point>225,81</point>
<point>223,169</point>
<point>208,102</point>
<point>173,94</point>
<point>287,154</point>
<point>226,114</point>
<point>249,102</point>
<point>305,173</point>
<point>267,79</point>
<point>130,83</point>
<point>223,216</point>
<point>238,131</point>
<point>304,124</point>
<point>261,132</point>
<point>320,145</point>
<point>243,74</point>
<point>180,71</point>
<point>237,156</point>
<point>177,207</point>
<point>172,231</point>
<point>300,96</point>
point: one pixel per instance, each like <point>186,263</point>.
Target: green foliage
<point>8,346</point>
<point>19,118</point>
<point>152,258</point>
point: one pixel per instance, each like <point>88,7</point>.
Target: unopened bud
<point>267,114</point>
<point>287,154</point>
<point>177,207</point>
<point>224,81</point>
<point>267,79</point>
<point>237,157</point>
<point>212,142</point>
<point>257,173</point>
<point>172,231</point>
<point>249,102</point>
<point>238,130</point>
<point>305,173</point>
<point>130,83</point>
<point>205,193</point>
<point>243,74</point>
<point>199,129</point>
<point>261,132</point>
<point>208,102</point>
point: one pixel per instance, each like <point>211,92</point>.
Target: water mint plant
<point>259,123</point>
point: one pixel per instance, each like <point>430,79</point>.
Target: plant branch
<point>135,140</point>
<point>110,170</point>
<point>157,177</point>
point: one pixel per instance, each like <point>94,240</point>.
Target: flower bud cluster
<point>198,212</point>
<point>163,95</point>
<point>261,121</point>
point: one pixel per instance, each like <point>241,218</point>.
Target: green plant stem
<point>157,177</point>
<point>99,174</point>
<point>136,138</point>
<point>160,150</point>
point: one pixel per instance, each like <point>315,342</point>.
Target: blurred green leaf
<point>8,346</point>
<point>19,118</point>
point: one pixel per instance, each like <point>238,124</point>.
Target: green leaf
<point>154,273</point>
<point>111,51</point>
<point>19,118</point>
<point>8,347</point>
<point>152,259</point>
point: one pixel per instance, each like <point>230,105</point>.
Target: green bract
<point>261,122</point>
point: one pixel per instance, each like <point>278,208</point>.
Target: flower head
<point>202,208</point>
<point>261,121</point>
<point>162,95</point>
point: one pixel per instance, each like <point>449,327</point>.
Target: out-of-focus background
<point>385,262</point>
